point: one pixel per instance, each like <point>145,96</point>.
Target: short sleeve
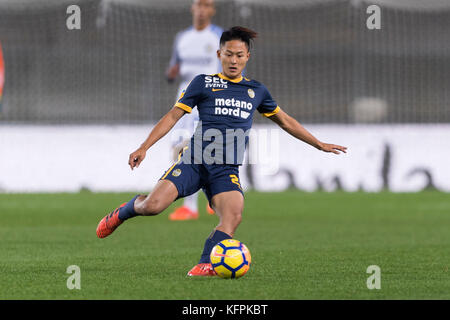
<point>268,106</point>
<point>190,97</point>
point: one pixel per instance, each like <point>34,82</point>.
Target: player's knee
<point>152,207</point>
<point>234,218</point>
<point>238,218</point>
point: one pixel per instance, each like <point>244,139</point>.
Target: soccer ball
<point>230,258</point>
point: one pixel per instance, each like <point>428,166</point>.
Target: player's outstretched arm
<point>294,128</point>
<point>160,130</point>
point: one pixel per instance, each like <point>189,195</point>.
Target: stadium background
<point>106,82</point>
<point>317,57</point>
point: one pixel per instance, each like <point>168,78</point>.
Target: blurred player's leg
<point>191,202</point>
<point>188,211</point>
<point>209,209</point>
<point>182,133</point>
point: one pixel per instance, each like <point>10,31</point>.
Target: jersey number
<point>235,180</point>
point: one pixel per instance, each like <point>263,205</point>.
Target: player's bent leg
<point>158,200</point>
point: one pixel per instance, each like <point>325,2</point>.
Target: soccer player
<point>226,103</point>
<point>194,52</point>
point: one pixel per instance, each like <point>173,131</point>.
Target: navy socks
<point>127,211</point>
<point>214,238</point>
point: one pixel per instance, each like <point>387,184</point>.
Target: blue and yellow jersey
<point>226,107</point>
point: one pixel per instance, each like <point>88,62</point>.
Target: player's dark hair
<point>238,33</point>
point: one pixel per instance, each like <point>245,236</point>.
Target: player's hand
<point>173,72</point>
<point>136,158</point>
<point>334,148</point>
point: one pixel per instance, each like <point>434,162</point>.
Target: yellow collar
<point>232,80</point>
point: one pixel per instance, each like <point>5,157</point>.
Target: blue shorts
<point>213,178</point>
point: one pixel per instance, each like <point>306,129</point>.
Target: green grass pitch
<point>303,246</point>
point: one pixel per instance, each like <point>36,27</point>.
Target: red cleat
<point>183,213</point>
<point>109,223</point>
<point>209,209</point>
<point>202,270</point>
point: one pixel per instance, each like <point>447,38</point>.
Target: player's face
<point>203,10</point>
<point>233,55</point>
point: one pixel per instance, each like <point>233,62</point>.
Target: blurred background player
<point>194,52</point>
<point>2,76</point>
